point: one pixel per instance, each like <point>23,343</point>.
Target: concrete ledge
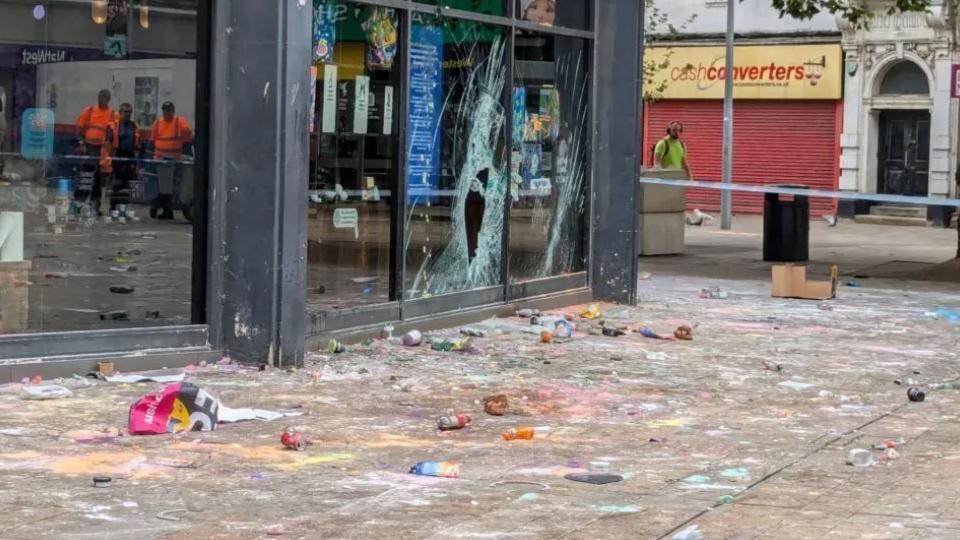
<point>868,219</point>
<point>13,370</point>
<point>899,211</point>
<point>453,318</point>
<point>81,342</point>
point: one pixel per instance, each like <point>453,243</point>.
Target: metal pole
<point>726,197</point>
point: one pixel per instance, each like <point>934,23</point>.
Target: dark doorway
<point>904,152</point>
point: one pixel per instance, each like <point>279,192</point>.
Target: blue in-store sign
<point>426,101</point>
<point>37,129</point>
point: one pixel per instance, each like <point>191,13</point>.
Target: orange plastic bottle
<point>525,433</point>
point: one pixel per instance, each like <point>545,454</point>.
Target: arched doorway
<point>904,137</point>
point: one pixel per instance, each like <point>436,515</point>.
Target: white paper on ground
<point>228,415</point>
<point>145,377</point>
<point>45,391</point>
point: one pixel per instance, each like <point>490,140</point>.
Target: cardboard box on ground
<point>790,281</point>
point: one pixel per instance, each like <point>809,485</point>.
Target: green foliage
<point>658,27</point>
<point>855,12</point>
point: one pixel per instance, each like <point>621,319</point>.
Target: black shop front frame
<point>488,202</point>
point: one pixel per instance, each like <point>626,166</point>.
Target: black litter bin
<point>786,227</point>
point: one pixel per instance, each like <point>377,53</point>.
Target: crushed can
<point>292,439</point>
<point>457,421</point>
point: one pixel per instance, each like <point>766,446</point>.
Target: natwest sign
<point>759,72</point>
<point>32,56</point>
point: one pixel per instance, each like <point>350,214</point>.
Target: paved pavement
<point>867,251</point>
<point>745,451</point>
<point>73,269</point>
<point>74,265</point>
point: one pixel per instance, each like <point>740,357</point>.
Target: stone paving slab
<point>748,452</point>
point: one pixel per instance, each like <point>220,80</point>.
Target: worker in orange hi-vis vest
<point>170,132</point>
<point>92,143</point>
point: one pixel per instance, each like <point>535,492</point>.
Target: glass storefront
<point>447,155</point>
<point>550,145</point>
<point>97,133</point>
<point>354,156</point>
<point>456,158</point>
<point>443,162</point>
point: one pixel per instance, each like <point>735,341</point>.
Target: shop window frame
<point>400,309</point>
<point>196,335</point>
<point>539,286</point>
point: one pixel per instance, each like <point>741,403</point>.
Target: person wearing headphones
<point>670,152</point>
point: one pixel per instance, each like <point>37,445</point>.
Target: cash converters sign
<point>759,72</point>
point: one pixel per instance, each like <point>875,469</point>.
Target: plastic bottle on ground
<point>526,433</point>
<point>547,321</point>
<point>441,469</point>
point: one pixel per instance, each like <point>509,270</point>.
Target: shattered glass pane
<point>456,180</point>
<point>550,145</point>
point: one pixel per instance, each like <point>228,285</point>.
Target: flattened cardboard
<point>790,281</point>
<point>105,368</point>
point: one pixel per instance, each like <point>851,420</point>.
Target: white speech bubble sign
<point>347,218</point>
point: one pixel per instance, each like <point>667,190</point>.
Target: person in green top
<point>670,152</point>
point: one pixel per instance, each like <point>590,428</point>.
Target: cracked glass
<point>549,145</point>
<point>456,150</point>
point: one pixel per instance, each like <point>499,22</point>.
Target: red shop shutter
<point>775,142</point>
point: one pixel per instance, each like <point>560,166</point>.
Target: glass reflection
<point>550,141</point>
<point>353,155</point>
<point>96,164</point>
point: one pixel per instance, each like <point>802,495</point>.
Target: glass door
<point>354,159</point>
<point>456,161</point>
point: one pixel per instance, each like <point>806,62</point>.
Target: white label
<point>347,218</point>
<point>388,110</point>
<point>329,98</point>
<point>542,186</point>
<point>361,104</point>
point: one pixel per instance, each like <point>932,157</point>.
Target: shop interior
<point>85,239</point>
<point>485,164</point>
